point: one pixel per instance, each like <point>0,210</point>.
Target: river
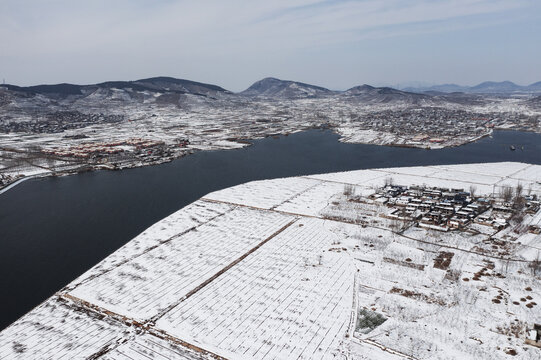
<point>53,229</point>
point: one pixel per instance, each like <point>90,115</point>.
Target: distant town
<point>63,129</point>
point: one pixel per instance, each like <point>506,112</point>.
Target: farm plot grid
<point>150,347</point>
<point>56,330</point>
<point>160,277</point>
<point>291,300</point>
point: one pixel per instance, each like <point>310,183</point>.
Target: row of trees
<point>508,194</point>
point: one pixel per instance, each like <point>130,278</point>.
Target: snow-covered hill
<point>285,89</point>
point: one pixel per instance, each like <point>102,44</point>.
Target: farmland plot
<point>292,299</point>
<point>504,169</point>
<point>165,230</point>
<point>310,202</point>
<point>151,347</point>
<point>56,330</point>
<point>357,177</point>
<point>263,194</point>
<point>145,286</point>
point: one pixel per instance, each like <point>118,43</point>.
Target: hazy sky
<point>232,43</point>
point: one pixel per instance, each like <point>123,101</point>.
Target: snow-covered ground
<point>259,271</point>
<point>223,122</point>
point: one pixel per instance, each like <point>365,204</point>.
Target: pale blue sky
<point>232,43</point>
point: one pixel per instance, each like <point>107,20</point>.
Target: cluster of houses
<point>446,209</point>
<point>56,122</point>
<point>423,138</point>
<point>435,125</point>
<point>107,148</point>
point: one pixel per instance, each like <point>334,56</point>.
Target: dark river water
<point>53,229</point>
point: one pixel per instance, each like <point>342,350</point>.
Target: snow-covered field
<point>259,271</point>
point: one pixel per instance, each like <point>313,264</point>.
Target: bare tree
<point>518,217</point>
<point>518,190</point>
<point>535,265</point>
<point>389,181</point>
<point>519,201</point>
<point>518,204</point>
<point>395,225</point>
<point>473,189</point>
<point>506,193</point>
<point>349,190</point>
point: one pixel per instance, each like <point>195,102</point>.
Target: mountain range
<point>487,87</point>
<point>168,90</point>
<point>156,84</point>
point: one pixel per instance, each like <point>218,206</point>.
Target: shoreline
<point>242,141</point>
<point>18,181</point>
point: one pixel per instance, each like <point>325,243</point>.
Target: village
<point>446,209</point>
<point>428,125</point>
<point>108,151</point>
<point>54,122</point>
<point>112,155</point>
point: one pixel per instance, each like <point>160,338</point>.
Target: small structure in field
<point>533,336</point>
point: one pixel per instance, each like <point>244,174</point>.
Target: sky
<point>233,43</point>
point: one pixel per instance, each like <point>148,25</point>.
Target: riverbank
<point>17,182</point>
<point>82,168</point>
<point>387,139</point>
<point>242,143</point>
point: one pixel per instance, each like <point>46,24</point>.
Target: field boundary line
<point>222,271</point>
<point>129,322</point>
